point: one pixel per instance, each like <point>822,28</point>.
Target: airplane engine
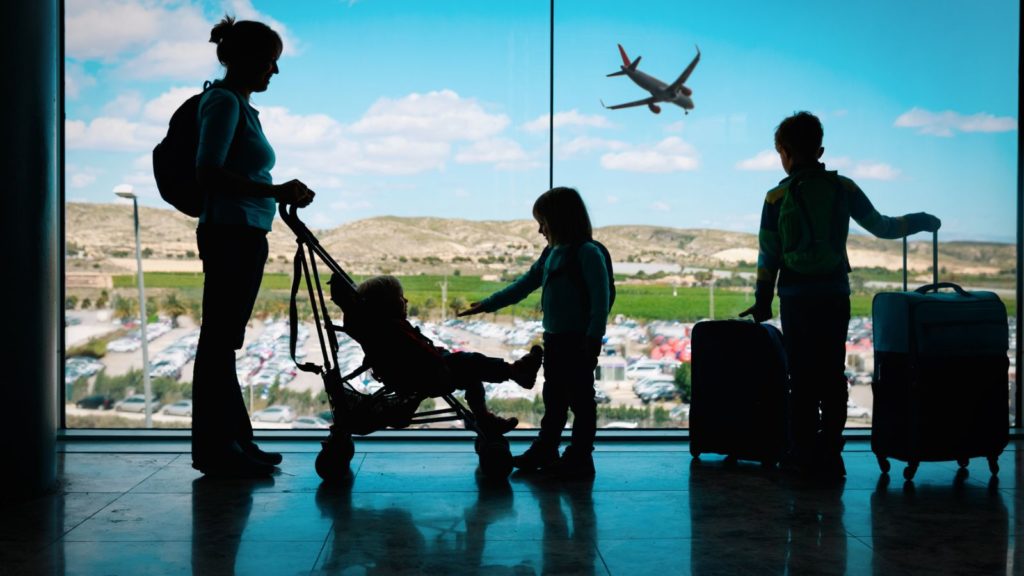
<point>685,91</point>
<point>655,108</point>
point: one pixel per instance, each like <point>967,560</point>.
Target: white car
<point>180,408</point>
<point>310,422</point>
<point>274,414</point>
<point>854,411</point>
<point>136,403</point>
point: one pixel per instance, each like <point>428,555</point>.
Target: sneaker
<point>253,451</point>
<point>524,370</point>
<point>574,464</point>
<point>493,425</point>
<point>232,463</point>
<point>536,457</point>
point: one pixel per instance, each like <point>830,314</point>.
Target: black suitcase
<point>940,382</point>
<point>739,391</point>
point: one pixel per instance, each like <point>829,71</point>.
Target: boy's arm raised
<point>881,226</point>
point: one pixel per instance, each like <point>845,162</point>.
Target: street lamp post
<point>125,191</point>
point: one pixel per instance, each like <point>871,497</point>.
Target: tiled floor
<point>419,508</point>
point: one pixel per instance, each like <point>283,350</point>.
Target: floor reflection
<point>405,535</point>
<point>962,528</point>
<point>570,525</point>
<point>749,520</point>
<point>220,512</point>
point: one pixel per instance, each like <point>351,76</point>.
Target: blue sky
<point>439,108</point>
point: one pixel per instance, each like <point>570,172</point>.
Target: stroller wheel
<point>335,454</point>
<point>495,457</point>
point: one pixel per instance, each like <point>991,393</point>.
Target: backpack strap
<point>293,312</point>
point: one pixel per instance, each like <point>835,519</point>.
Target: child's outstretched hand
<point>474,308</point>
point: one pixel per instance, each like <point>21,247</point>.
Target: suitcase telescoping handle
<point>935,267</point>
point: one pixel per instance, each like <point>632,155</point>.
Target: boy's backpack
<point>174,158</point>
<point>575,268</point>
<point>814,221</point>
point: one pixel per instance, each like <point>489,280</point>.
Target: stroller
<point>395,404</point>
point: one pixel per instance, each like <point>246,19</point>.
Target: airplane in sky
<point>674,93</point>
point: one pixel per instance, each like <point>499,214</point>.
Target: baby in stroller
<point>383,319</point>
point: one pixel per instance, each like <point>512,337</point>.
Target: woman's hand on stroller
<point>293,192</point>
<point>474,308</point>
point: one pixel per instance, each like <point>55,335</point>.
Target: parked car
<point>640,386</point>
<point>855,411</point>
<point>96,402</point>
<point>659,391</point>
<point>310,422</point>
<point>601,397</point>
<point>179,408</point>
<point>274,414</point>
<point>136,403</point>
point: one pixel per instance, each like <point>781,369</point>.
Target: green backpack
<point>814,221</point>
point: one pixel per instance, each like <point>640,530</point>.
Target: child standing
<point>804,225</point>
<point>431,369</point>
<point>575,297</point>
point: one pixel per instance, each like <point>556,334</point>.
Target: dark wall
<point>30,228</point>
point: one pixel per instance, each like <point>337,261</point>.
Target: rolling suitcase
<point>739,391</point>
<point>940,382</point>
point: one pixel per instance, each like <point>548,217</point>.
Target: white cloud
<point>106,133</point>
<point>76,79</point>
<point>874,171</point>
<point>764,160</point>
<point>149,39</point>
<point>298,131</point>
<point>583,144</point>
<point>676,126</point>
<point>501,151</point>
<point>563,119</point>
<point>670,155</point>
<point>947,122</point>
<point>440,115</point>
<point>159,109</point>
<point>661,207</point>
<point>124,105</point>
<point>107,29</point>
<point>612,199</point>
<point>82,177</point>
<point>183,60</point>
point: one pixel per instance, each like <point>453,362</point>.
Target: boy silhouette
<point>805,221</point>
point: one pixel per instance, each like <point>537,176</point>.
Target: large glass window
<point>424,130</point>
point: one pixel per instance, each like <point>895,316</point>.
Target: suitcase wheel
<point>993,465</point>
<point>883,464</point>
<point>962,462</point>
<point>910,470</point>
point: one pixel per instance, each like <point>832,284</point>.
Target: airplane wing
<point>643,102</point>
<point>686,73</point>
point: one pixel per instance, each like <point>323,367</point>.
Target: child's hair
<point>380,294</point>
<point>563,211</point>
<point>800,136</point>
<point>244,40</point>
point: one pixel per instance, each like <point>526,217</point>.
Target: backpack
<point>174,158</point>
<point>814,220</point>
<point>575,268</point>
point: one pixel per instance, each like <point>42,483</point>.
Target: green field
<point>638,301</point>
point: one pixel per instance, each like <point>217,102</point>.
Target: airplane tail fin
<point>625,59</point>
<point>626,64</point>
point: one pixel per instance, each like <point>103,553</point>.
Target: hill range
<point>100,238</point>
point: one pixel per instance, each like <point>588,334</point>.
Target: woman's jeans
<point>233,259</point>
